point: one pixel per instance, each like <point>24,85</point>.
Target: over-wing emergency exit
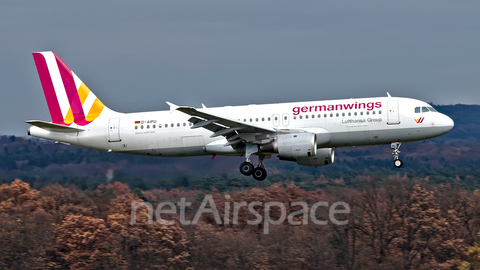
<point>304,132</point>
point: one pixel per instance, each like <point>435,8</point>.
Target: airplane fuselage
<point>337,123</point>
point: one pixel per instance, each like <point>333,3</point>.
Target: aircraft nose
<point>448,123</point>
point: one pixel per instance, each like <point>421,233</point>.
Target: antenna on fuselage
<point>388,95</point>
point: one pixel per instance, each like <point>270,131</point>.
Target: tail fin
<point>69,99</point>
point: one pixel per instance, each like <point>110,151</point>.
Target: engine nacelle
<point>323,157</point>
<point>296,145</point>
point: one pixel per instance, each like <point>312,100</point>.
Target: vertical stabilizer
<point>69,99</point>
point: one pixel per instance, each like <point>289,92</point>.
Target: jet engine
<point>293,145</point>
<point>323,157</point>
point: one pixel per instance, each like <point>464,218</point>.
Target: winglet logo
<point>419,120</point>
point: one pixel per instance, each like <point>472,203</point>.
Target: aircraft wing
<point>234,130</point>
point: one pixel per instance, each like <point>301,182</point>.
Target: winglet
<point>173,107</point>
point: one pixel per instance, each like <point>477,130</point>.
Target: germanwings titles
<point>303,132</point>
<point>337,107</point>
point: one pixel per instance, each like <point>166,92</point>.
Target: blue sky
<point>137,55</point>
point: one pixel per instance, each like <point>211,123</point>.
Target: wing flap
<point>226,131</point>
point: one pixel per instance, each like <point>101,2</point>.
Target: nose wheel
<point>396,160</point>
<point>398,163</point>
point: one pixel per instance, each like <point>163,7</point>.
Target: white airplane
<point>303,132</point>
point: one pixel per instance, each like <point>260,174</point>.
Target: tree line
<point>394,222</point>
<point>41,163</point>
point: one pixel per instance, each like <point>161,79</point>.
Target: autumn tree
<point>83,242</point>
<point>425,234</point>
<point>143,244</point>
<point>26,227</point>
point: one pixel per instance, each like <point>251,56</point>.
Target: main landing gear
<point>396,161</point>
<point>246,168</point>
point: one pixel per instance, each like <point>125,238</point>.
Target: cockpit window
<point>424,109</point>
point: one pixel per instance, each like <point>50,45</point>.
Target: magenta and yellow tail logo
<point>419,120</point>
<point>69,99</point>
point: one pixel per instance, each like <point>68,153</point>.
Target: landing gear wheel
<point>246,168</point>
<point>259,174</point>
<point>398,163</point>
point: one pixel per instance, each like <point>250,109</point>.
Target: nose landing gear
<point>396,160</point>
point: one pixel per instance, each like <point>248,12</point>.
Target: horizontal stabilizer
<point>52,126</point>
